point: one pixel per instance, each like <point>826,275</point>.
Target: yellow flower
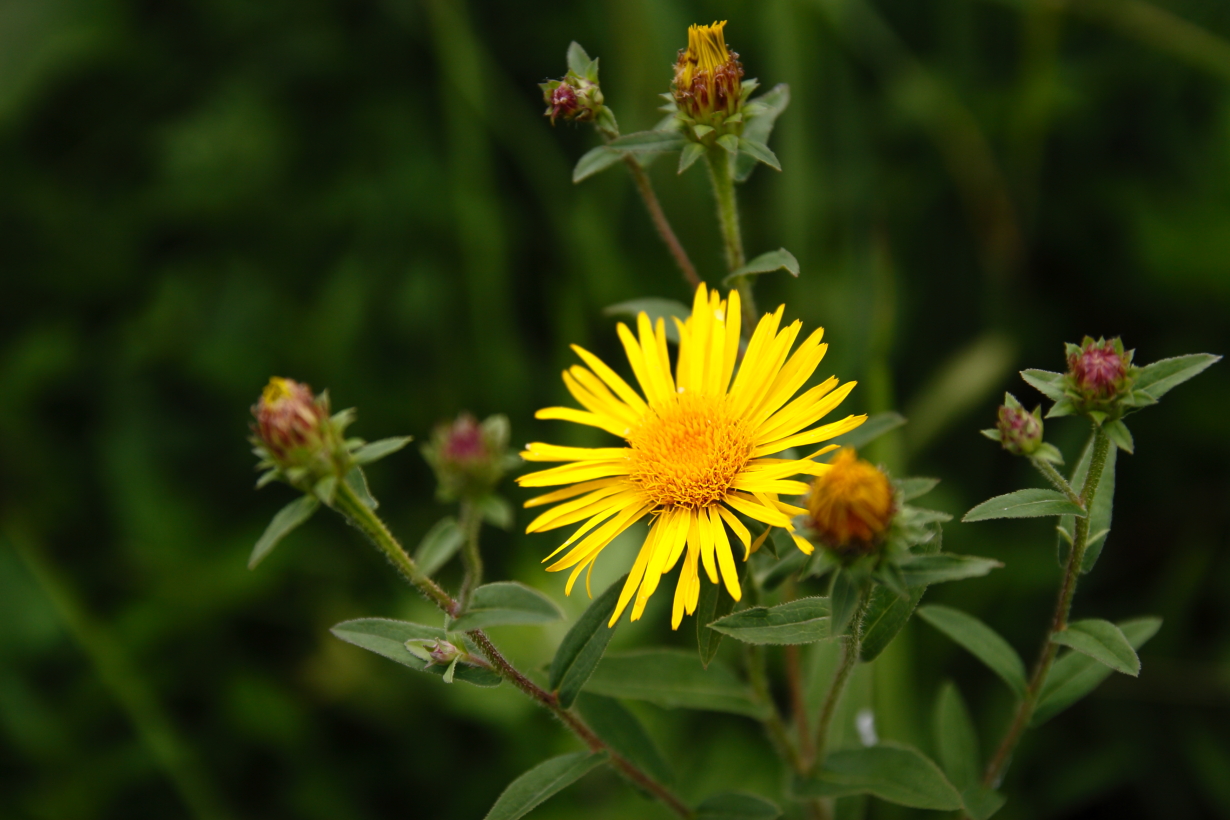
<point>708,76</point>
<point>851,505</point>
<point>698,447</point>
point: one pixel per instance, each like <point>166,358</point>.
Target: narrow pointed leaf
<point>654,308</point>
<point>377,450</point>
<point>623,732</point>
<point>439,545</point>
<point>1161,377</point>
<point>688,156</point>
<point>892,772</point>
<point>737,806</point>
<point>357,481</point>
<point>982,803</point>
<point>843,600</point>
<point>672,678</point>
<point>911,488</point>
<point>924,570</point>
<point>805,620</point>
<point>870,430</point>
<point>780,259</point>
<point>582,647</point>
<point>1048,383</point>
<point>1031,503</point>
<point>542,782</point>
<point>760,152</point>
<point>506,603</point>
<point>981,641</point>
<point>496,511</point>
<point>578,60</point>
<point>956,741</point>
<point>1120,435</point>
<point>285,520</point>
<point>1075,675</point>
<point>593,161</point>
<point>714,603</point>
<point>648,142</point>
<point>388,638</point>
<point>760,115</point>
<point>1102,641</point>
<point>1100,509</point>
<point>888,614</point>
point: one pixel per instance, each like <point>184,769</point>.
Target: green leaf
<point>759,117</point>
<point>892,772</point>
<point>439,545</point>
<point>981,641</point>
<point>911,488</point>
<point>730,142</point>
<point>924,570</point>
<point>887,614</point>
<point>541,783</point>
<point>870,430</point>
<point>377,450</point>
<point>1075,675</point>
<point>623,732</point>
<point>843,600</point>
<point>1032,503</point>
<point>714,603</point>
<point>672,678</point>
<point>655,309</point>
<point>1161,377</point>
<point>506,603</point>
<point>1100,509</point>
<point>1048,383</point>
<point>582,647</point>
<point>981,803</point>
<point>594,161</point>
<point>1119,435</point>
<point>648,142</point>
<point>496,511</point>
<point>780,259</point>
<point>760,152</point>
<point>956,740</point>
<point>357,481</point>
<point>736,806</point>
<point>805,620</point>
<point>691,152</point>
<point>578,60</point>
<point>1102,641</point>
<point>285,520</point>
<point>793,562</point>
<point>388,638</point>
<point>325,489</point>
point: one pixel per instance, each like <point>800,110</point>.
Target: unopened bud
<point>850,506</point>
<point>469,458</point>
<point>1100,374</point>
<point>435,652</point>
<point>295,434</point>
<point>708,84</point>
<point>1020,431</point>
<point>574,98</point>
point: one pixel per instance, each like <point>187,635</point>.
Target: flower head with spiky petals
<point>698,448</point>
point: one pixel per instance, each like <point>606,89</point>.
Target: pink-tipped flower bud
<point>469,458</point>
<point>296,436</point>
<point>435,652</point>
<point>1020,431</point>
<point>1100,375</point>
<point>573,98</point>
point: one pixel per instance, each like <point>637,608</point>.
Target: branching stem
<point>645,188</point>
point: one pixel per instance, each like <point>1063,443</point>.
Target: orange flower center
<point>688,453</point>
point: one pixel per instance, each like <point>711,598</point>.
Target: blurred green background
<point>364,196</point>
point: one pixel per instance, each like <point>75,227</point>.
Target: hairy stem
<point>645,188</point>
<point>365,519</point>
<point>851,647</point>
<point>728,219</point>
<point>1059,621</point>
<point>1052,475</point>
<point>471,523</point>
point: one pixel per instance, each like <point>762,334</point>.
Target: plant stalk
<point>365,519</point>
<point>471,522</point>
<point>1056,478</point>
<point>723,181</point>
<point>776,727</point>
<point>1059,621</point>
<point>645,188</point>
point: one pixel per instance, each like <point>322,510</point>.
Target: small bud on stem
<point>850,507</point>
<point>1020,431</point>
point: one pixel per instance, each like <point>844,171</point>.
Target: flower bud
<point>574,98</point>
<point>1100,374</point>
<point>1020,431</point>
<point>850,506</point>
<point>296,436</point>
<point>708,85</point>
<point>435,652</point>
<point>469,458</point>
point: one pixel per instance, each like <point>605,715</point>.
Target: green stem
<point>471,556</point>
<point>851,648</point>
<point>366,520</point>
<point>1059,621</point>
<point>645,188</point>
<point>723,181</point>
<point>1056,478</point>
<point>773,723</point>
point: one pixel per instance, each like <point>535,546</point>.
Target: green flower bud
<point>469,458</point>
<point>1020,431</point>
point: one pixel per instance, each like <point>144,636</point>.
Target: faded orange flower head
<point>851,505</point>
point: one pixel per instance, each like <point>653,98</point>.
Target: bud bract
<point>469,458</point>
<point>850,506</point>
<point>1100,376</point>
<point>296,436</point>
<point>1020,431</point>
<point>435,652</point>
<point>708,85</point>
